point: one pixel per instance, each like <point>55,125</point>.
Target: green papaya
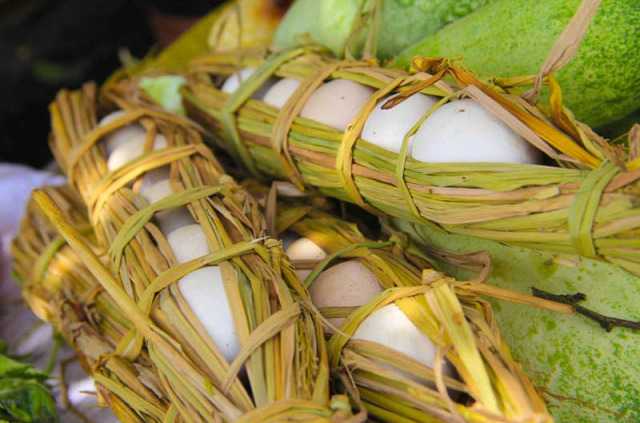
<point>402,22</point>
<point>587,374</point>
<point>510,38</point>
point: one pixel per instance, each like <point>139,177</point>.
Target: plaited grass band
<point>524,205</point>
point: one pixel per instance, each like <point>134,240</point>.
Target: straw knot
<point>583,210</point>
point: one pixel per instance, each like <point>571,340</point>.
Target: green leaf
<point>165,90</point>
<point>24,396</point>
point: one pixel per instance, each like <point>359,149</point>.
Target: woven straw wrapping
<point>59,289</point>
<point>90,321</point>
<point>282,349</point>
<point>586,205</point>
<point>460,324</point>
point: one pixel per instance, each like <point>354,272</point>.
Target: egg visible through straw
<point>387,128</point>
<point>336,103</point>
<point>132,149</point>
<point>203,289</point>
<point>303,249</point>
<point>390,327</point>
<point>347,284</point>
<point>122,135</point>
<point>233,82</point>
<point>171,219</point>
<point>280,92</point>
<point>465,131</point>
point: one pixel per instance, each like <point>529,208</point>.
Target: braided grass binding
<point>59,289</point>
<point>460,323</point>
<point>282,349</point>
<point>379,373</point>
<point>534,206</point>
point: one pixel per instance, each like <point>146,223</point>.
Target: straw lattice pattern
<point>282,351</point>
<point>556,208</point>
<point>60,289</point>
<point>434,303</point>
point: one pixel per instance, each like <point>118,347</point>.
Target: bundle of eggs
<point>202,289</point>
<point>351,284</point>
<point>458,131</point>
<point>346,284</point>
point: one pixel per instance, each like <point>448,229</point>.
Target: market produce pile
<point>406,237</point>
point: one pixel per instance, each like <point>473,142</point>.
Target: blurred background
<point>46,45</point>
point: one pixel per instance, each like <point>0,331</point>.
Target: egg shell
<point>304,249</point>
<point>288,238</point>
<point>135,135</point>
<point>465,131</point>
<point>336,103</point>
<point>154,176</point>
<point>280,92</point>
<point>286,189</point>
<point>203,290</point>
<point>390,327</point>
<point>133,149</point>
<point>188,242</point>
<point>347,284</point>
<point>387,128</point>
<point>233,82</point>
<point>158,191</point>
<point>107,119</point>
<point>122,135</point>
<point>171,219</point>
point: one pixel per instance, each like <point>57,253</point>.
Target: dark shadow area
<point>46,45</point>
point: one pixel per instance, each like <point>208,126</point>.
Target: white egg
<point>158,191</point>
<point>390,327</point>
<point>233,82</point>
<point>304,249</point>
<point>348,284</point>
<point>287,239</point>
<point>387,128</point>
<point>133,149</point>
<point>203,290</point>
<point>127,143</point>
<point>465,131</point>
<point>280,92</point>
<point>286,189</point>
<point>122,135</point>
<point>171,219</point>
<point>188,242</point>
<point>336,103</point>
<point>153,176</point>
